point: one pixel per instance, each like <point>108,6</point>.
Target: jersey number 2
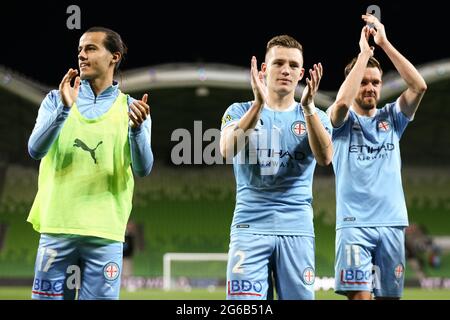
<point>237,267</point>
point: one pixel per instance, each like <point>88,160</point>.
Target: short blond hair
<point>284,41</point>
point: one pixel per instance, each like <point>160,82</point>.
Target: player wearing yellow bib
<point>88,150</point>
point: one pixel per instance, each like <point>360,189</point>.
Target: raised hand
<point>364,41</point>
<point>68,93</point>
<point>378,32</point>
<point>258,84</point>
<point>139,111</point>
<point>312,85</point>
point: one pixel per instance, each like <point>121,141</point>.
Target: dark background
<point>37,43</point>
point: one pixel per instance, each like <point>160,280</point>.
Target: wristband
<point>309,109</point>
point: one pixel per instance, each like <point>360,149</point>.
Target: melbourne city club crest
<point>111,271</point>
<point>398,271</point>
<point>298,128</point>
<point>308,276</point>
<point>384,126</point>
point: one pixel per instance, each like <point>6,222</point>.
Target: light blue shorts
<point>65,263</point>
<point>370,259</point>
<point>253,258</point>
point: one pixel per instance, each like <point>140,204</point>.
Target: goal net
<point>187,270</point>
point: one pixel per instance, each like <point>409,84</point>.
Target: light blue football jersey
<point>274,172</point>
<point>367,165</point>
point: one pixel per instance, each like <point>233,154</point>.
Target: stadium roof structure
<point>432,72</point>
<point>177,75</point>
<point>198,75</point>
<point>227,76</point>
<point>194,91</point>
<point>22,86</point>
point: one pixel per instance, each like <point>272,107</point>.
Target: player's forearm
<point>349,89</point>
<point>405,68</point>
<point>141,151</point>
<point>47,128</point>
<point>251,117</point>
<point>319,140</point>
<point>233,140</point>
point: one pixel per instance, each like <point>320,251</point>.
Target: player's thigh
<point>248,266</point>
<point>55,254</point>
<point>355,248</point>
<point>102,267</point>
<point>390,263</point>
<point>295,268</point>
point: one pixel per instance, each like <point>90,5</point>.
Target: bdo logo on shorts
<point>111,271</point>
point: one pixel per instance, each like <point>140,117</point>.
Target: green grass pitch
<point>23,293</point>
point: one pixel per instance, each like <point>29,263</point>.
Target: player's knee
<point>359,295</point>
<point>387,298</point>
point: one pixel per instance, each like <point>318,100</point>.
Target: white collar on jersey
<point>290,108</point>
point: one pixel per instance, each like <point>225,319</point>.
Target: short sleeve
<point>325,121</point>
<point>400,120</point>
<point>233,114</point>
<point>336,131</point>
